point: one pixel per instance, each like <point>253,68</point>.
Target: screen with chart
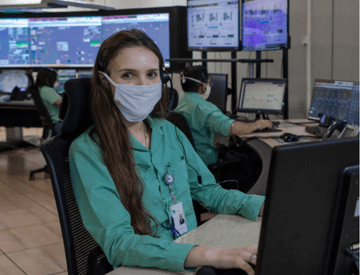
<point>63,76</point>
<point>155,25</point>
<point>70,41</point>
<point>262,96</point>
<point>14,42</point>
<point>213,25</point>
<point>264,25</point>
<point>339,99</point>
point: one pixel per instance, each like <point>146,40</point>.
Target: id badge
<point>178,216</point>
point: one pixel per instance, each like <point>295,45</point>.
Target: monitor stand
<point>264,116</point>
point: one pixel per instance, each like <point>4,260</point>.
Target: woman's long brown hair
<point>109,127</point>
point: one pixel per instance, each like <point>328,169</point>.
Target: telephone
<point>19,94</point>
<point>334,130</point>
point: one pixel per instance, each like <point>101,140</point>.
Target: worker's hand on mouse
<point>263,123</point>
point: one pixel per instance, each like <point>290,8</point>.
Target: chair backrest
<point>43,113</point>
<point>180,121</point>
<point>83,254</point>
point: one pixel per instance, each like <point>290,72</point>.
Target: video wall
<point>72,41</point>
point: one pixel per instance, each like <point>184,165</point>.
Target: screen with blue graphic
<point>70,41</point>
<point>155,25</point>
<point>213,25</point>
<point>339,99</point>
<point>264,25</point>
<point>14,42</point>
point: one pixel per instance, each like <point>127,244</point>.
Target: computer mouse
<point>288,137</point>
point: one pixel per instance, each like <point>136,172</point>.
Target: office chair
<point>83,255</point>
<point>48,127</point>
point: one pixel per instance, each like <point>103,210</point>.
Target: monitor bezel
<point>275,49</point>
<point>263,111</point>
<point>212,49</point>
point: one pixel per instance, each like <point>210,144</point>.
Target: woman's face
<point>135,66</point>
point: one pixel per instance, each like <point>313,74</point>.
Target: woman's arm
<point>222,258</point>
<point>242,128</point>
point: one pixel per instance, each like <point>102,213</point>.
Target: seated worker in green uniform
<point>205,119</point>
<point>134,173</point>
<point>45,81</point>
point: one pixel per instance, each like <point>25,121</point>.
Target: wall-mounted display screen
<point>265,25</point>
<point>14,42</point>
<point>70,41</point>
<point>213,25</point>
<point>73,39</point>
<point>156,26</point>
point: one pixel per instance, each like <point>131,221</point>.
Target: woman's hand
<point>223,258</point>
<point>261,212</point>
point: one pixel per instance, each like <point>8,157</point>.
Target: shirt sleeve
<point>211,195</point>
<point>109,222</point>
<point>216,120</point>
<point>49,94</point>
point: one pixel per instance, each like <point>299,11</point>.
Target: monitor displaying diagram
<point>213,25</point>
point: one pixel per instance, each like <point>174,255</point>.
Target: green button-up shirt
<point>49,96</point>
<point>205,120</point>
<point>107,220</point>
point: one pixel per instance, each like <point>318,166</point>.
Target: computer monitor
<point>70,41</point>
<point>262,96</point>
<point>311,209</point>
<point>265,25</point>
<point>339,99</point>
<point>219,90</point>
<point>9,79</point>
<point>63,76</point>
<point>84,74</point>
<point>155,25</point>
<point>213,25</point>
<point>14,42</point>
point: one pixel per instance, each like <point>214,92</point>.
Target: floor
<point>30,234</point>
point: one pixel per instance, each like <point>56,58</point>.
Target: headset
<point>164,77</point>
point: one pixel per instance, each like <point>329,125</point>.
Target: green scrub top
<point>205,120</point>
<point>109,223</point>
<point>49,96</point>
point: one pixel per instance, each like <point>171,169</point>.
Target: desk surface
<point>27,103</point>
<point>228,231</point>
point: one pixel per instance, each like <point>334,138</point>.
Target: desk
<point>228,231</point>
<point>263,147</point>
<point>16,114</point>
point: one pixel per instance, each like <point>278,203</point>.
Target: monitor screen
<point>213,25</point>
<point>339,99</point>
<point>219,90</point>
<point>84,74</point>
<point>262,95</point>
<point>155,25</point>
<point>264,25</point>
<point>9,79</point>
<point>63,76</point>
<point>14,42</point>
<point>69,41</point>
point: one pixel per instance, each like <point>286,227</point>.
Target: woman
<point>132,171</point>
<point>45,81</point>
<point>205,119</point>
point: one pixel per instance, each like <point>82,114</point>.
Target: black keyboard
<point>207,270</point>
<point>267,130</point>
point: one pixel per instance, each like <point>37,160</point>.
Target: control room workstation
<point>306,167</point>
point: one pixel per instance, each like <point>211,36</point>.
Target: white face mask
<point>136,101</point>
<point>56,84</point>
<point>206,95</point>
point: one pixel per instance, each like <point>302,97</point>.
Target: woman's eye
<point>127,75</point>
<point>152,75</point>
